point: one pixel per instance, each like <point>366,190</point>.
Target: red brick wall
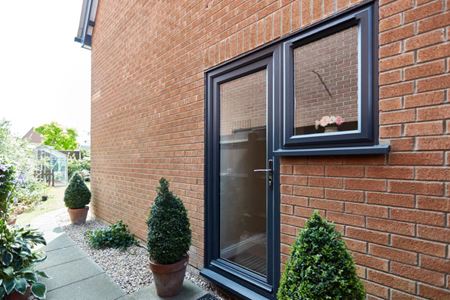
<point>148,63</point>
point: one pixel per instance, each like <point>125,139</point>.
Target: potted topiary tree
<point>320,266</point>
<point>169,239</point>
<point>76,197</point>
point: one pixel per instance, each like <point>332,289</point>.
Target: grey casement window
<point>330,86</point>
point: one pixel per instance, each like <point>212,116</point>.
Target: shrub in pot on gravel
<point>169,239</point>
<point>115,236</point>
<point>18,257</point>
<point>76,197</point>
<point>320,266</point>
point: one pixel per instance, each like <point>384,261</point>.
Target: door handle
<point>268,170</point>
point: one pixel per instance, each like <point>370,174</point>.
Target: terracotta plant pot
<point>78,215</point>
<point>169,278</point>
<point>19,296</point>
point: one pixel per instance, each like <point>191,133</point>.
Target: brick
<point>397,117</point>
<point>435,173</point>
<point>431,292</point>
<point>395,7</point>
<point>416,273</point>
<point>294,200</point>
<point>308,170</point>
<point>398,61</point>
<point>434,263</point>
<point>390,104</point>
<point>345,219</point>
<point>433,83</point>
<point>365,184</point>
<point>370,261</point>
<point>412,187</point>
<point>366,210</point>
<point>347,171</point>
<point>326,204</point>
<point>391,280</point>
<point>355,245</point>
<point>390,172</point>
<point>390,199</point>
<point>418,216</point>
<point>433,203</point>
<point>391,50</point>
<point>286,209</point>
<point>392,226</point>
<point>396,34</point>
<point>401,89</point>
<point>308,191</point>
<point>293,180</point>
<point>421,246</point>
<point>425,128</point>
<point>433,143</point>
<point>325,182</point>
<point>424,70</point>
<point>402,144</point>
<point>423,11</point>
<point>437,21</point>
<point>389,23</point>
<point>416,158</point>
<point>293,220</point>
<point>367,235</point>
<point>434,233</point>
<point>376,289</point>
<point>433,52</point>
<point>424,99</point>
<point>390,131</point>
<point>390,77</point>
<point>397,295</point>
<point>393,254</point>
<point>353,196</point>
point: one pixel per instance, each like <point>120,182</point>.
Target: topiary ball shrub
<point>77,194</point>
<point>115,236</point>
<point>320,266</point>
<point>169,233</point>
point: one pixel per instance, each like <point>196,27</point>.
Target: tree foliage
<point>77,194</point>
<point>320,266</point>
<point>59,138</point>
<point>169,233</point>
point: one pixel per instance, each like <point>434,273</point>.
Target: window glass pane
<point>243,195</point>
<point>326,84</point>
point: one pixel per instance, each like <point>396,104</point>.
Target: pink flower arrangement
<point>329,120</point>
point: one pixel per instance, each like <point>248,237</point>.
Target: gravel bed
<point>128,269</point>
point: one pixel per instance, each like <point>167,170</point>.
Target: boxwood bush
<point>169,233</point>
<point>320,266</point>
<point>115,236</point>
<point>77,194</point>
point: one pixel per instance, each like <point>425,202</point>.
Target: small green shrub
<point>77,194</point>
<point>320,266</point>
<point>115,236</point>
<point>78,165</point>
<point>169,233</point>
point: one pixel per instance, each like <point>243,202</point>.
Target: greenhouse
<point>53,168</point>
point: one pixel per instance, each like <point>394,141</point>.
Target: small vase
<point>331,128</point>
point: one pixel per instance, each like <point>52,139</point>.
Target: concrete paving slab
<point>99,287</point>
<point>61,256</point>
<point>58,242</point>
<point>65,274</point>
<point>190,291</point>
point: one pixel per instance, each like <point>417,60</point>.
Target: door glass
<point>243,197</point>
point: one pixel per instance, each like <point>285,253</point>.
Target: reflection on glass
<point>242,191</point>
<point>326,84</point>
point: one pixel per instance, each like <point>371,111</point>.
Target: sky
<point>44,74</point>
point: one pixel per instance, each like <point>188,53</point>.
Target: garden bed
<point>130,268</point>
